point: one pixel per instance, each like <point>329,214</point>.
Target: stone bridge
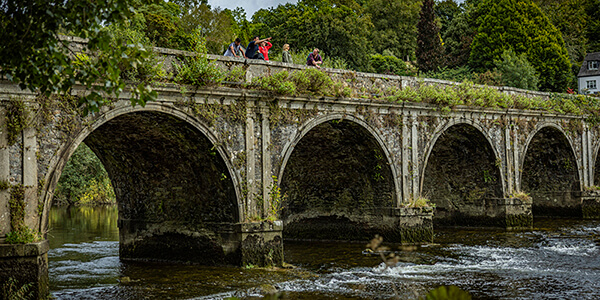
<point>198,173</point>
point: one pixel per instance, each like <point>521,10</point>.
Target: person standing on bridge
<point>314,59</point>
<point>252,49</point>
<point>264,49</point>
<point>286,57</point>
<point>234,48</point>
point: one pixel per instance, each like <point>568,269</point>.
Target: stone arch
<point>351,175</point>
<point>308,126</point>
<point>441,129</point>
<point>190,148</point>
<point>556,191</point>
<point>461,175</point>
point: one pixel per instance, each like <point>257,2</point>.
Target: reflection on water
<point>559,259</point>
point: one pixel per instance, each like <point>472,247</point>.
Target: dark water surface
<point>560,259</point>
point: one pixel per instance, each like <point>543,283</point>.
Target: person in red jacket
<point>264,49</point>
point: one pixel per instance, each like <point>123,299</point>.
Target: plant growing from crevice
<point>198,70</point>
<point>524,197</point>
<point>4,185</point>
<point>20,233</point>
<point>304,82</point>
<point>418,202</point>
<point>276,200</point>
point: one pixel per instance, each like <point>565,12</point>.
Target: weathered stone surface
<point>261,243</point>
<point>518,214</point>
<point>416,225</point>
<point>550,175</point>
<point>28,265</point>
<point>590,204</point>
<point>463,180</point>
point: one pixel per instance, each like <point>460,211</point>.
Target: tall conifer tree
<point>430,51</point>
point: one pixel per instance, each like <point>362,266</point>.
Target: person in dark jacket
<point>314,59</point>
<point>252,49</point>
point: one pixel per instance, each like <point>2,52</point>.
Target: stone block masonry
<point>231,172</point>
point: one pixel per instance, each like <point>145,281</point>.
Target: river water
<point>559,259</point>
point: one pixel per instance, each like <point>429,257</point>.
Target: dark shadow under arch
<point>170,183</point>
<point>336,172</point>
<point>462,179</point>
<point>550,175</point>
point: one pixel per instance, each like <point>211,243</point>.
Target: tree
<point>446,11</point>
<point>338,27</point>
<point>82,171</point>
<point>593,27</point>
<point>517,71</point>
<point>571,18</point>
<point>521,26</point>
<point>395,26</point>
<point>33,55</point>
<point>214,25</point>
<point>458,38</point>
<point>430,52</point>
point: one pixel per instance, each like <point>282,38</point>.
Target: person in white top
<point>234,48</point>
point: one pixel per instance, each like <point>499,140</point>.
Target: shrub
<point>151,69</point>
<point>312,80</point>
<point>458,74</point>
<point>198,69</point>
<point>419,201</point>
<point>308,81</point>
<point>389,64</point>
<point>517,71</point>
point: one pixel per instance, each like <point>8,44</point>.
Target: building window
<point>591,84</point>
<point>593,65</point>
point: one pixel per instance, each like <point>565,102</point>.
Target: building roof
<point>584,72</point>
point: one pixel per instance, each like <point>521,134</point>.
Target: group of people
<point>259,49</point>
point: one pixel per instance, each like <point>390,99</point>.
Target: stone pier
<point>590,204</point>
<point>27,265</point>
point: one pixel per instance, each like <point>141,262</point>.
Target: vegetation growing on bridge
<point>20,233</point>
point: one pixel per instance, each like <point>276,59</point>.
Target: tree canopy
<point>33,54</point>
<point>338,27</point>
<point>395,27</point>
<point>522,27</point>
<point>363,35</point>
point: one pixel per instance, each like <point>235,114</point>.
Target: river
<point>559,259</point>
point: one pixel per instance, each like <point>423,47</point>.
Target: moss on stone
<point>416,235</point>
<point>519,221</point>
<point>20,233</point>
<point>591,212</point>
<point>16,119</point>
<point>4,185</point>
<point>17,207</point>
<point>258,252</point>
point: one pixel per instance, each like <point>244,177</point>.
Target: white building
<point>588,78</point>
